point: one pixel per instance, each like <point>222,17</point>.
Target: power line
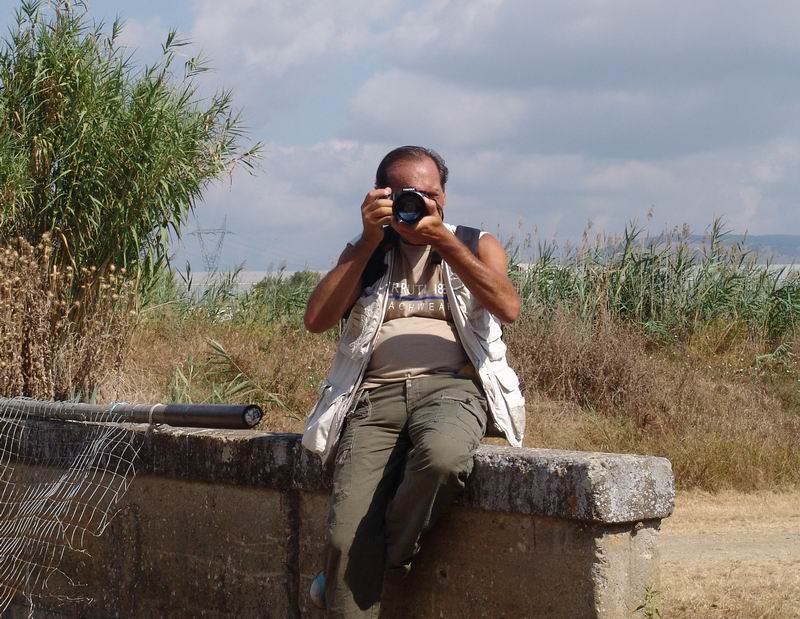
<point>211,251</point>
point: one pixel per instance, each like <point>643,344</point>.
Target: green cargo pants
<point>405,452</point>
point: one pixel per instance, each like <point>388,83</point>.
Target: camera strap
<point>376,265</point>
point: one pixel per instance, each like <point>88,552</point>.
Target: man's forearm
<point>492,288</point>
<point>339,289</point>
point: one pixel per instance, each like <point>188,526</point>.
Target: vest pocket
<point>509,384</point>
<point>354,326</point>
<point>473,405</point>
<point>455,281</point>
<point>486,328</point>
<point>326,397</point>
<point>508,379</point>
<point>329,394</point>
<point>356,337</point>
<point>489,334</point>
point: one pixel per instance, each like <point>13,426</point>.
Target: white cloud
<point>629,78</point>
<point>279,37</point>
<point>396,104</point>
<point>301,209</point>
<point>778,163</point>
<point>552,112</point>
<point>147,36</point>
<point>747,215</point>
<point>306,205</point>
<point>615,42</point>
<point>629,175</point>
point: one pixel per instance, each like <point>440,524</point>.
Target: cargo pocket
<point>464,403</point>
<point>356,337</point>
<point>361,410</point>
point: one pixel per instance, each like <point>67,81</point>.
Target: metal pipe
<point>223,416</point>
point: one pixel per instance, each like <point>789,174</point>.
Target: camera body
<point>409,205</point>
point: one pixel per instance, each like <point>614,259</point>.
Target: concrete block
<point>313,535</point>
<point>182,549</point>
<point>233,523</point>
<point>584,486</point>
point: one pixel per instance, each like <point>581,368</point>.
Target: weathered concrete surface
<point>584,486</point>
<point>232,523</point>
<point>183,549</point>
<point>590,487</point>
<point>493,565</point>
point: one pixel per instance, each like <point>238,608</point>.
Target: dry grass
<point>61,332</point>
<point>281,367</point>
<point>737,590</point>
<point>605,388</point>
<point>731,555</point>
<point>700,512</point>
<point>600,389</point>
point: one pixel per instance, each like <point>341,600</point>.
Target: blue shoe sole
<point>317,591</point>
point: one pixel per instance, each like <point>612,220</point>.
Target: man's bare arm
<point>339,289</point>
<point>486,275</point>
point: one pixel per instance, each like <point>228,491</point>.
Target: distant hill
<point>775,248</point>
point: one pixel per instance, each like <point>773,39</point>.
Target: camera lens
<point>409,206</point>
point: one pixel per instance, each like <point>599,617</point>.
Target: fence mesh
<point>59,484</point>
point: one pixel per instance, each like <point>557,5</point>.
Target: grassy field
<point>731,555</point>
<point>627,345</point>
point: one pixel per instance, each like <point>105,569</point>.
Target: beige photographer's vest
<point>480,333</point>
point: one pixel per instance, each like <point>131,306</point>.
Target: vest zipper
<point>455,307</point>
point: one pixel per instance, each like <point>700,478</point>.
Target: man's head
<point>414,166</point>
<point>409,153</point>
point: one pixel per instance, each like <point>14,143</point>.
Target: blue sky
<point>551,114</point>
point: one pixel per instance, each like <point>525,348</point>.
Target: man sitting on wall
<point>419,373</point>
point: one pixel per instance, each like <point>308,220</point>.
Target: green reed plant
<point>278,298</point>
<point>108,156</point>
<point>668,285</point>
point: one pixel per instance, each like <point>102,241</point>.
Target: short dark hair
<point>406,153</point>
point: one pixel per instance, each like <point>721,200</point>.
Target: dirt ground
<point>731,555</point>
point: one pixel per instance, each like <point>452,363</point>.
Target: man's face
<point>421,174</point>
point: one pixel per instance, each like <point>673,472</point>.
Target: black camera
<point>409,205</point>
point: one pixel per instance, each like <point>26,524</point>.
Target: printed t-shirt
<point>417,337</point>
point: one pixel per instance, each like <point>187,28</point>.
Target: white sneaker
<point>317,591</point>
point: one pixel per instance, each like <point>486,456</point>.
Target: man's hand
<point>340,288</point>
<point>427,231</point>
<point>376,212</point>
<point>485,274</point>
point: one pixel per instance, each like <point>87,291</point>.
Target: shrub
<point>606,387</point>
<point>61,330</point>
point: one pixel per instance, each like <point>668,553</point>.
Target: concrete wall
<point>232,523</point>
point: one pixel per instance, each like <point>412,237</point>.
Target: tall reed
<point>667,285</point>
<point>278,299</point>
<point>108,156</point>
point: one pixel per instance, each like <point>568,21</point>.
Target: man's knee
<point>441,456</point>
